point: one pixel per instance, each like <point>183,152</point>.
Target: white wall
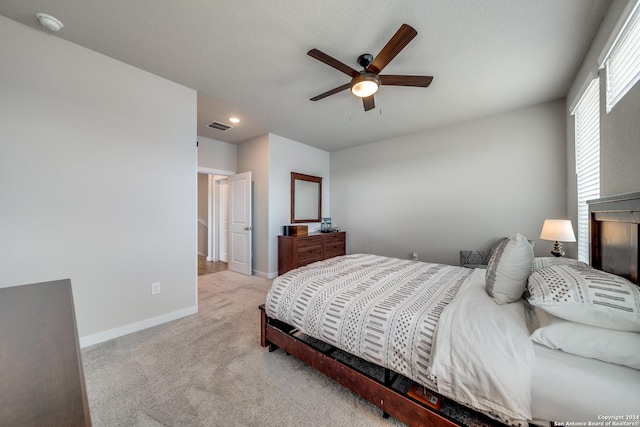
<point>620,146</point>
<point>457,187</point>
<point>97,182</point>
<point>286,156</point>
<point>216,155</point>
<point>253,156</point>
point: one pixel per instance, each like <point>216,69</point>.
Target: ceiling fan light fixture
<point>365,84</point>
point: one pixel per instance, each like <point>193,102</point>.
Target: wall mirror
<point>306,198</point>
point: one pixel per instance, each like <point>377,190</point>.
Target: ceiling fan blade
<point>419,81</point>
<point>331,92</point>
<point>332,62</point>
<point>400,39</point>
<point>368,103</point>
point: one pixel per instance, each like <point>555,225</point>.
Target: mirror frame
<point>295,176</point>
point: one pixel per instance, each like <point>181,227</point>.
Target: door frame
<point>212,217</point>
<point>216,208</point>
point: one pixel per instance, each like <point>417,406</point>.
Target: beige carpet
<point>209,370</point>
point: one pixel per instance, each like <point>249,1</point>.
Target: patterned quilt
<point>384,310</point>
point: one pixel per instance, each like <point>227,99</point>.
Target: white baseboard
<point>135,327</point>
<point>265,275</point>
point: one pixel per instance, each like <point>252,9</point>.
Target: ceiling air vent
<point>219,126</point>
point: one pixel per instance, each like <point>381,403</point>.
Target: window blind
<point>587,129</point>
<point>623,59</point>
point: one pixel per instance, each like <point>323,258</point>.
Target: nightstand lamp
<point>557,230</point>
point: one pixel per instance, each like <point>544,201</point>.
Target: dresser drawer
<point>309,256</point>
<point>334,238</point>
<point>334,251</point>
<point>309,243</point>
<point>334,245</point>
<point>298,251</point>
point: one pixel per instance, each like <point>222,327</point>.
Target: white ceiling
<point>247,58</point>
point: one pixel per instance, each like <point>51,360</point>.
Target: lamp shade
<point>559,230</point>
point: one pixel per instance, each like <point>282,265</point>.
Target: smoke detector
<point>49,22</point>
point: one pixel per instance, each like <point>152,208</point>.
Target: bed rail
<point>275,334</point>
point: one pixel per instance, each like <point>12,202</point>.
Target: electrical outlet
<point>155,288</point>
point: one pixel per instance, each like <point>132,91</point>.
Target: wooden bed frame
<point>276,334</point>
<point>614,234</point>
<point>613,229</point>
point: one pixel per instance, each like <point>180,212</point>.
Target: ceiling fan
<point>365,83</point>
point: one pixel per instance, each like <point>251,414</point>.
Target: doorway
<point>226,234</point>
<point>213,223</point>
<point>208,267</point>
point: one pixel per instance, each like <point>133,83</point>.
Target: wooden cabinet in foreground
<point>42,381</point>
<point>297,251</point>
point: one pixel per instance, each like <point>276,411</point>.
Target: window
<point>587,128</point>
<point>622,58</point>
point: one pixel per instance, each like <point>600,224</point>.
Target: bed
<point>475,350</point>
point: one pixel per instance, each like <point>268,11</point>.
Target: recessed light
<point>49,22</point>
<point>234,120</point>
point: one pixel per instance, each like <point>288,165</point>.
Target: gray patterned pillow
<point>473,258</point>
<point>586,295</point>
<point>508,269</point>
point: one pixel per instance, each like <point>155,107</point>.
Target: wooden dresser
<point>41,377</point>
<point>296,251</point>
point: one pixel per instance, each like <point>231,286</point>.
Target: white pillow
<point>508,269</point>
<point>546,261</point>
<point>608,345</point>
<point>586,295</point>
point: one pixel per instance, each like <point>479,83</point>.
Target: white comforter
<point>391,312</point>
<point>384,310</point>
<point>483,355</point>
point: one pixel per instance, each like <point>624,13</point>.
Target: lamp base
<point>557,249</point>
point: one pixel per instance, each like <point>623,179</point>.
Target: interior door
<point>240,223</point>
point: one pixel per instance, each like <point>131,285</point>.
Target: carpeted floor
<point>209,370</point>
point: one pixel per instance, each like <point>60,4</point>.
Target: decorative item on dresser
<point>298,251</point>
<point>295,230</point>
